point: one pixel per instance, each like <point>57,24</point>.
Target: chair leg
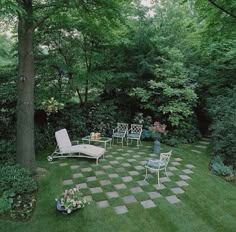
<point>158,180</point>
<point>166,172</point>
<point>146,175</point>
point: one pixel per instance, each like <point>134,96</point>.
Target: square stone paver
<point>102,204</point>
<point>178,159</point>
<point>114,162</point>
<point>88,198</point>
<point>139,167</point>
<point>201,146</point>
<point>126,165</point>
<point>136,190</point>
<point>142,182</point>
<point>96,190</point>
<point>86,169</point>
<point>127,178</point>
<point>91,178</point>
<point>82,185</point>
<point>67,182</point>
<point>120,186</point>
<point>164,179</point>
<point>134,173</point>
<point>177,190</point>
<point>74,166</point>
<point>99,172</point>
<point>121,209</point>
<point>187,171</point>
<point>189,166</point>
<point>105,182</point>
<point>185,177</point>
<point>181,183</point>
<point>131,160</point>
<point>175,163</point>
<point>196,151</point>
<point>136,156</point>
<point>77,175</point>
<point>148,204</point>
<point>154,195</point>
<point>120,169</point>
<point>129,199</point>
<point>112,194</point>
<point>172,199</point>
<point>143,162</point>
<point>106,166</point>
<point>113,175</point>
<point>159,187</point>
<point>170,173</point>
<point>204,142</point>
<point>172,168</point>
<point>63,164</point>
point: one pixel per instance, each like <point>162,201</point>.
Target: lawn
<point>207,204</point>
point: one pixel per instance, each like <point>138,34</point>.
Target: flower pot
<point>157,143</point>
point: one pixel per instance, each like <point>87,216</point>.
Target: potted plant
<point>71,200</point>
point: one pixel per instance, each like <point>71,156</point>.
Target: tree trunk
<point>25,150</point>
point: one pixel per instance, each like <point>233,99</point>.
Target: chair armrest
<point>76,142</point>
<point>116,129</point>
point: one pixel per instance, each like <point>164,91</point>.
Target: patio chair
<point>119,132</point>
<point>158,165</point>
<point>65,148</point>
<point>134,133</point>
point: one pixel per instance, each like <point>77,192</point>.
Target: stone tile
<point>120,169</point>
<point>77,175</point>
<point>126,165</point>
<point>63,164</point>
<point>143,162</point>
<point>88,198</point>
<point>172,199</point>
<point>129,199</point>
<point>131,160</point>
<point>120,149</point>
<point>184,177</point>
<point>164,179</point>
<point>201,146</point>
<point>86,169</point>
<point>99,172</point>
<point>67,182</point>
<point>139,167</point>
<point>187,171</point>
<point>177,190</point>
<point>178,159</point>
<point>114,162</point>
<point>91,178</point>
<point>134,173</point>
<point>120,209</point>
<point>172,168</point>
<point>204,142</point>
<point>175,163</point>
<point>154,195</point>
<point>96,190</point>
<point>119,158</point>
<point>120,186</point>
<point>74,166</point>
<point>130,150</point>
<point>127,178</point>
<point>159,187</point>
<point>141,152</point>
<point>105,182</point>
<point>106,166</point>
<point>108,156</point>
<point>112,194</point>
<point>181,183</point>
<point>136,190</point>
<point>136,156</point>
<point>82,185</point>
<point>102,204</point>
<point>148,204</point>
<point>196,151</point>
<point>113,175</point>
<point>170,173</point>
<point>189,166</point>
<point>142,182</point>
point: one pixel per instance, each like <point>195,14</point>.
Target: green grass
<point>208,203</point>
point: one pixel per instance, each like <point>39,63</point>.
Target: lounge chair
<point>65,148</point>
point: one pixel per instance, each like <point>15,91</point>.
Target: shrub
<point>7,152</point>
<point>219,168</point>
<point>16,179</point>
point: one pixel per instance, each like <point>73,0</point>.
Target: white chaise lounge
<point>65,148</point>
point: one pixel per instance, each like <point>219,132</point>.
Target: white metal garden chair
<point>120,132</point>
<point>134,133</point>
<point>158,165</point>
<point>65,148</point>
